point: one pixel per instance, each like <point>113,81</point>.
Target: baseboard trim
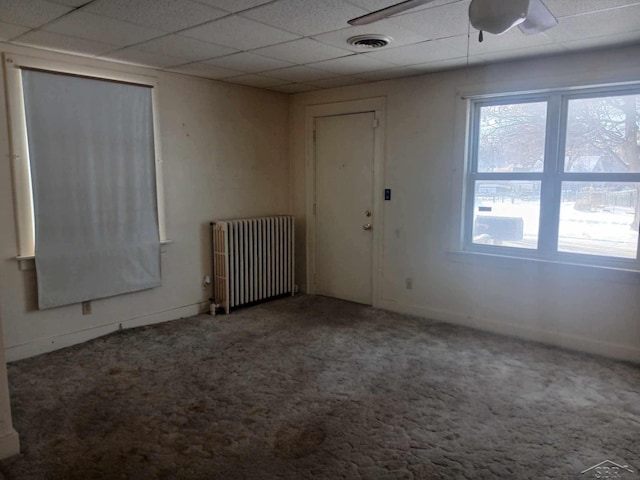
<point>44,345</point>
<point>559,339</point>
<point>9,444</point>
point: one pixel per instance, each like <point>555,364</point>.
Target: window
<point>86,175</point>
<point>556,176</point>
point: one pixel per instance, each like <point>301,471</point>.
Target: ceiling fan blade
<point>387,12</point>
<point>538,19</point>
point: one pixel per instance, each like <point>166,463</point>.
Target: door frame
<point>377,106</point>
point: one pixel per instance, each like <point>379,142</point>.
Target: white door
<point>344,159</point>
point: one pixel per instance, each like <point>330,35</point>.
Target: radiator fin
<point>253,260</point>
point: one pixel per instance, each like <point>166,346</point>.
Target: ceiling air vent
<point>367,42</point>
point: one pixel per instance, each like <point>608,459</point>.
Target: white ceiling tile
<point>400,36</point>
<point>299,74</point>
<point>608,22</point>
<point>293,88</point>
<point>9,31</point>
<point>101,29</point>
<point>234,5</point>
<point>388,74</point>
<point>437,22</point>
<point>626,38</point>
<point>448,64</point>
<point>520,53</point>
<point>301,51</point>
<point>430,51</point>
<point>336,82</point>
<point>563,8</point>
<point>55,41</point>
<point>510,40</point>
<point>351,65</point>
<point>306,17</point>
<point>205,70</point>
<point>184,47</point>
<point>167,15</point>
<point>31,13</point>
<point>248,62</point>
<point>71,3</point>
<point>239,33</point>
<point>139,57</point>
<point>255,81</point>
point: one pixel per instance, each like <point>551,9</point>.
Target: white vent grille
<point>368,42</point>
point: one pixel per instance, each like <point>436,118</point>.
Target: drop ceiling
<point>295,46</point>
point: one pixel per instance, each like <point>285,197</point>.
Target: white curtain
<point>93,176</point>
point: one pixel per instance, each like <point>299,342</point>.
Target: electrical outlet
<point>86,307</point>
<point>409,283</point>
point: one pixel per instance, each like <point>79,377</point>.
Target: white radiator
<point>252,260</point>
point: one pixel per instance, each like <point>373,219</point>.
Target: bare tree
<point>603,135</point>
<point>609,129</point>
<point>512,137</point>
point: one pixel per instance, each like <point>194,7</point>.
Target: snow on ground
<point>599,232</point>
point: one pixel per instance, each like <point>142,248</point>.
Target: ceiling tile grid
<point>89,26</point>
<point>344,81</point>
<point>71,3</point>
<point>189,49</point>
<point>166,15</point>
<point>601,23</point>
<point>429,51</point>
<point>248,62</point>
<point>234,5</point>
<point>293,46</point>
<point>302,51</point>
<point>63,43</point>
<point>32,13</point>
<point>306,17</point>
<point>438,22</point>
<point>9,31</point>
<point>205,70</point>
<point>294,88</point>
<point>373,5</point>
<point>399,36</point>
<point>351,65</point>
<point>257,81</point>
<point>299,73</point>
<point>239,32</point>
<point>566,8</point>
<point>148,59</point>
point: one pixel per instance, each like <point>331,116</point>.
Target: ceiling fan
<point>493,16</point>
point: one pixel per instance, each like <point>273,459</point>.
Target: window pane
<point>599,219</point>
<point>602,135</point>
<point>506,213</point>
<point>512,137</point>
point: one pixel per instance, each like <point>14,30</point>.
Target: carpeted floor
<point>312,387</point>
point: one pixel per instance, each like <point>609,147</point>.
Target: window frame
<point>18,142</point>
<point>551,178</point>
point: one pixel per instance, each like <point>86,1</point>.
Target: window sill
<point>27,262</point>
<point>545,266</point>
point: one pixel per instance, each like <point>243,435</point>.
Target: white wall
<point>9,440</point>
<point>225,151</point>
<point>592,311</point>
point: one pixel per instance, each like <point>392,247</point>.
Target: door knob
<point>367,213</point>
<point>366,226</point>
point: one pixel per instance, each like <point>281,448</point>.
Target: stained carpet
<point>312,387</point>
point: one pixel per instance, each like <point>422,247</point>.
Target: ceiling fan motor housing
<point>497,16</point>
